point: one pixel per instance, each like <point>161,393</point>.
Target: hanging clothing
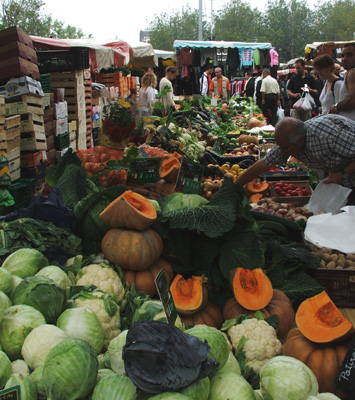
<point>274,57</point>
<point>246,57</point>
<point>209,54</point>
<point>186,56</point>
<point>265,58</point>
<point>256,58</point>
<point>233,58</point>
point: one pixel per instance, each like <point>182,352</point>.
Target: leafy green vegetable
<point>176,201</point>
<point>54,173</point>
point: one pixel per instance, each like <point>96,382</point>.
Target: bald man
<point>326,142</point>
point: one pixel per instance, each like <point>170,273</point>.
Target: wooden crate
<point>36,142</point>
<point>13,154</point>
<point>14,121</point>
<point>13,144</point>
<point>13,132</point>
<point>32,122</point>
<point>28,105</point>
<point>3,141</point>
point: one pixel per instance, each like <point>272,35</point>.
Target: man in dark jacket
<point>250,85</point>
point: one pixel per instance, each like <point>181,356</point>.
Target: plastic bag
<point>303,104</point>
<point>328,197</point>
<point>280,113</point>
<point>310,99</point>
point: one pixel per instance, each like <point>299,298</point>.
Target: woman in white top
<point>324,65</point>
<point>147,93</point>
<point>165,83</point>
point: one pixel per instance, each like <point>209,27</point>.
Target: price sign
<point>346,378</point>
<point>145,170</point>
<point>217,147</point>
<point>12,393</point>
<point>190,177</point>
<point>165,296</point>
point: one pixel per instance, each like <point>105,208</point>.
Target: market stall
<point>332,48</point>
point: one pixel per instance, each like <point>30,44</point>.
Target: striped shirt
<point>330,146</point>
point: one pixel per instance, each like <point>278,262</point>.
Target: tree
<point>335,20</point>
<point>237,21</point>
<point>27,15</point>
<point>180,25</point>
<point>290,26</point>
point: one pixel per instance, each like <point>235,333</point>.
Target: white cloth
<point>146,98</point>
<point>344,93</point>
<point>167,99</point>
<point>204,83</point>
<point>327,98</point>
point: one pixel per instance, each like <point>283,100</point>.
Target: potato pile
<point>334,259</point>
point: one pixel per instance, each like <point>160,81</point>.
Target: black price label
<point>165,296</point>
<point>12,393</point>
<point>346,378</point>
<point>145,170</point>
<point>217,147</point>
<point>190,177</point>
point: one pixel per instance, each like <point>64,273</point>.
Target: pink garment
<point>274,56</point>
<point>184,71</point>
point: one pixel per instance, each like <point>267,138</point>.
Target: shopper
<point>329,95</point>
<point>147,94</point>
<point>257,94</point>
<point>205,80</point>
<point>326,142</point>
<point>270,92</point>
<point>220,86</point>
<point>285,101</point>
<point>167,97</point>
<point>319,87</point>
<point>346,104</point>
<point>296,88</point>
<point>249,85</point>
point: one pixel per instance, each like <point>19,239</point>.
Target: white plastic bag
<point>303,104</point>
<point>310,99</point>
<point>280,113</point>
<point>328,197</point>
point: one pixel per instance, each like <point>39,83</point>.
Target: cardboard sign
<point>346,378</point>
<point>12,393</point>
<point>165,296</point>
<point>145,170</point>
<point>190,177</point>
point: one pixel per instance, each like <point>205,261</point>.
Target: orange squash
<point>132,250</point>
<point>280,305</point>
<point>130,210</point>
<point>209,315</point>
<point>253,187</point>
<point>323,359</point>
<point>189,295</point>
<point>255,198</point>
<point>144,280</point>
<point>252,288</point>
<point>169,169</point>
<point>320,321</point>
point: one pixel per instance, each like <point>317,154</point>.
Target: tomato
<point>104,157</point>
<point>283,193</point>
<point>294,193</point>
<point>288,195</point>
<point>306,192</point>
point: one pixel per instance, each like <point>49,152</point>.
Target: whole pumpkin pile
<point>131,244</point>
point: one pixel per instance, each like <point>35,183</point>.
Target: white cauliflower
<point>261,344</point>
<point>106,310</point>
<point>104,278</point>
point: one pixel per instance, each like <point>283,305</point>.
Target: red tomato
<point>283,193</point>
<point>288,195</point>
<point>294,193</point>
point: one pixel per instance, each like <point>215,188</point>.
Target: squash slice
<point>169,169</point>
<point>252,288</point>
<point>320,321</point>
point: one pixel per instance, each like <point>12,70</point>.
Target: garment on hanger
<point>233,58</point>
<point>256,58</point>
<point>265,58</point>
<point>186,56</point>
<point>246,57</point>
<point>209,53</point>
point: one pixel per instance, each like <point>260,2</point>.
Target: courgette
<point>275,227</point>
<point>288,224</point>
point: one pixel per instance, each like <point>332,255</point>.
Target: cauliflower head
<point>261,344</point>
<point>104,278</point>
<point>106,310</point>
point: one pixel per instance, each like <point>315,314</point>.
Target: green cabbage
<point>20,367</point>
<point>5,303</point>
<point>36,377</point>
<point>82,323</point>
<point>25,262</point>
<point>115,387</point>
<point>115,351</point>
<point>41,293</point>
<point>5,369</point>
<point>327,396</point>
<point>58,276</point>
<point>198,390</point>
<point>70,370</point>
<point>15,282</point>
<point>285,378</point>
<point>231,365</point>
<point>6,280</point>
<point>39,343</point>
<point>257,394</point>
<point>27,385</point>
<point>170,396</point>
<point>102,373</point>
<point>175,201</point>
<point>230,386</point>
<point>17,323</point>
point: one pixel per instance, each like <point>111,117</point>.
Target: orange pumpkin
<point>209,315</point>
<point>169,169</point>
<point>144,281</point>
<point>130,210</point>
<point>132,250</point>
<point>320,321</point>
<point>189,295</point>
<point>253,187</point>
<point>255,198</point>
<point>280,305</point>
<point>252,288</point>
<point>323,359</point>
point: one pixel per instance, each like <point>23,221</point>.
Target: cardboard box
<point>48,115</point>
<point>52,156</point>
<point>60,126</point>
<point>60,110</point>
<point>49,129</point>
<point>18,49</point>
<point>15,34</point>
<point>295,200</point>
<point>17,67</point>
<point>58,94</point>
<point>33,159</point>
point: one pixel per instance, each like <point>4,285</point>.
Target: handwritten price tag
<point>346,378</point>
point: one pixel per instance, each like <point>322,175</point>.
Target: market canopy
<point>143,55</point>
<point>164,54</point>
<point>196,44</point>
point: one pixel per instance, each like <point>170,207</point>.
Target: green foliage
<point>72,184</point>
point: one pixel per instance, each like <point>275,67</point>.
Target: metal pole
<point>200,21</point>
<point>211,19</point>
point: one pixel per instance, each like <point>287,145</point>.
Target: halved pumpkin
<point>169,169</point>
<point>320,321</point>
<point>253,187</point>
<point>252,288</point>
<point>130,210</point>
<point>189,295</point>
<point>255,198</point>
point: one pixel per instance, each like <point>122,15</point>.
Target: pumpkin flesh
<point>252,288</point>
<point>189,295</point>
<point>253,187</point>
<point>130,210</point>
<point>320,321</point>
<point>169,169</point>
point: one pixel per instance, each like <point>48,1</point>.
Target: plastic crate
<point>61,141</point>
<point>63,60</point>
<point>339,284</point>
<point>22,191</point>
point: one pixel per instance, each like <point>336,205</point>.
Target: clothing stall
<point>233,57</point>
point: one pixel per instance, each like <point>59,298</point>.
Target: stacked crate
<point>73,83</point>
<point>72,128</point>
<point>12,145</point>
<point>49,128</point>
<point>88,107</point>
